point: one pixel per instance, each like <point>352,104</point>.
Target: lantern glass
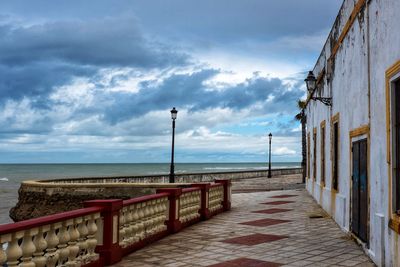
<point>174,113</point>
<point>270,136</point>
<point>310,81</point>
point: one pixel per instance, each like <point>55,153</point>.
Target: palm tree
<point>301,116</point>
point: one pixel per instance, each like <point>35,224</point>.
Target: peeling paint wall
<point>373,37</point>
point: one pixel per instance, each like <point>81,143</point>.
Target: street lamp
<point>311,84</point>
<point>269,165</point>
<point>174,113</point>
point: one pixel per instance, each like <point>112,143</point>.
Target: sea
<point>11,175</point>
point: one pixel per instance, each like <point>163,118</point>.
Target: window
<point>393,142</point>
<point>308,155</point>
<point>315,154</point>
<point>335,155</point>
<point>323,153</point>
<point>396,142</point>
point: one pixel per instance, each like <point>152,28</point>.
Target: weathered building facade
<point>353,139</point>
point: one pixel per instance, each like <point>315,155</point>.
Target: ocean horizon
<point>11,175</point>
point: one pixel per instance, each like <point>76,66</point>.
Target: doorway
<point>359,216</point>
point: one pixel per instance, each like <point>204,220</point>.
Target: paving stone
<point>254,239</point>
<point>284,196</point>
<point>265,222</point>
<point>307,242</point>
<point>271,211</point>
<point>277,202</point>
<point>244,262</point>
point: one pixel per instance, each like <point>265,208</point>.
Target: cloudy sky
<point>94,80</point>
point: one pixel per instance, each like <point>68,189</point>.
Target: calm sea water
<point>11,175</point>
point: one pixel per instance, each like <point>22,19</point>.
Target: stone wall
<point>45,197</point>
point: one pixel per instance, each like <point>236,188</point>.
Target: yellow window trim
<point>360,131</point>
<point>394,222</point>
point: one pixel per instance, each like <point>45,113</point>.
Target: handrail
<point>45,220</point>
<point>144,199</point>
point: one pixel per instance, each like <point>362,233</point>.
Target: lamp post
<point>174,113</point>
<point>269,164</point>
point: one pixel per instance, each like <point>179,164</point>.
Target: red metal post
<point>108,248</point>
<point>227,193</point>
<point>173,223</point>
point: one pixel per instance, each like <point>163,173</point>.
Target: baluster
<point>64,237</point>
<point>92,241</point>
<point>28,248</point>
<point>4,239</point>
<point>182,208</point>
<point>121,227</point>
<point>165,207</point>
<point>146,218</point>
<point>73,244</point>
<point>158,215</point>
<point>152,213</point>
<point>14,252</point>
<point>40,243</point>
<point>52,242</point>
<point>135,223</point>
<point>127,226</point>
<point>141,221</point>
<point>82,240</point>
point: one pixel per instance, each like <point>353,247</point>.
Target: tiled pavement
<point>288,238</point>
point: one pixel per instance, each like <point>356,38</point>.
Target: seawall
<point>43,197</point>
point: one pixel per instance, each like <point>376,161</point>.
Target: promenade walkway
<point>263,229</point>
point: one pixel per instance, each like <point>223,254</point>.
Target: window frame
<point>315,154</point>
<point>323,159</point>
<point>392,76</point>
<point>335,158</point>
<point>308,156</point>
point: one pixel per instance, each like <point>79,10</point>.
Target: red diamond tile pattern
<point>284,196</point>
<point>254,239</point>
<point>277,202</point>
<point>265,222</point>
<point>244,262</point>
<point>271,211</point>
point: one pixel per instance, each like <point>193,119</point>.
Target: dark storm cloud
<point>209,19</point>
<point>106,42</point>
<point>36,80</point>
<point>35,59</point>
<point>189,91</point>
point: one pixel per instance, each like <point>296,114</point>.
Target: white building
<point>353,157</point>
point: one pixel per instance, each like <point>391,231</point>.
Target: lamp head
<point>311,82</point>
<point>174,113</point>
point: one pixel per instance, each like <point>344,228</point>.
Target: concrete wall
<point>371,46</point>
<point>45,197</point>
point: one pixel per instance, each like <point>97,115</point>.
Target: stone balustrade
<point>216,197</point>
<point>141,218</point>
<point>190,204</point>
<point>105,230</point>
<point>65,239</point>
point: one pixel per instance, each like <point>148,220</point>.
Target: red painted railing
<point>106,230</point>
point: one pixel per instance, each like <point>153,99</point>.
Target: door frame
<point>357,134</point>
